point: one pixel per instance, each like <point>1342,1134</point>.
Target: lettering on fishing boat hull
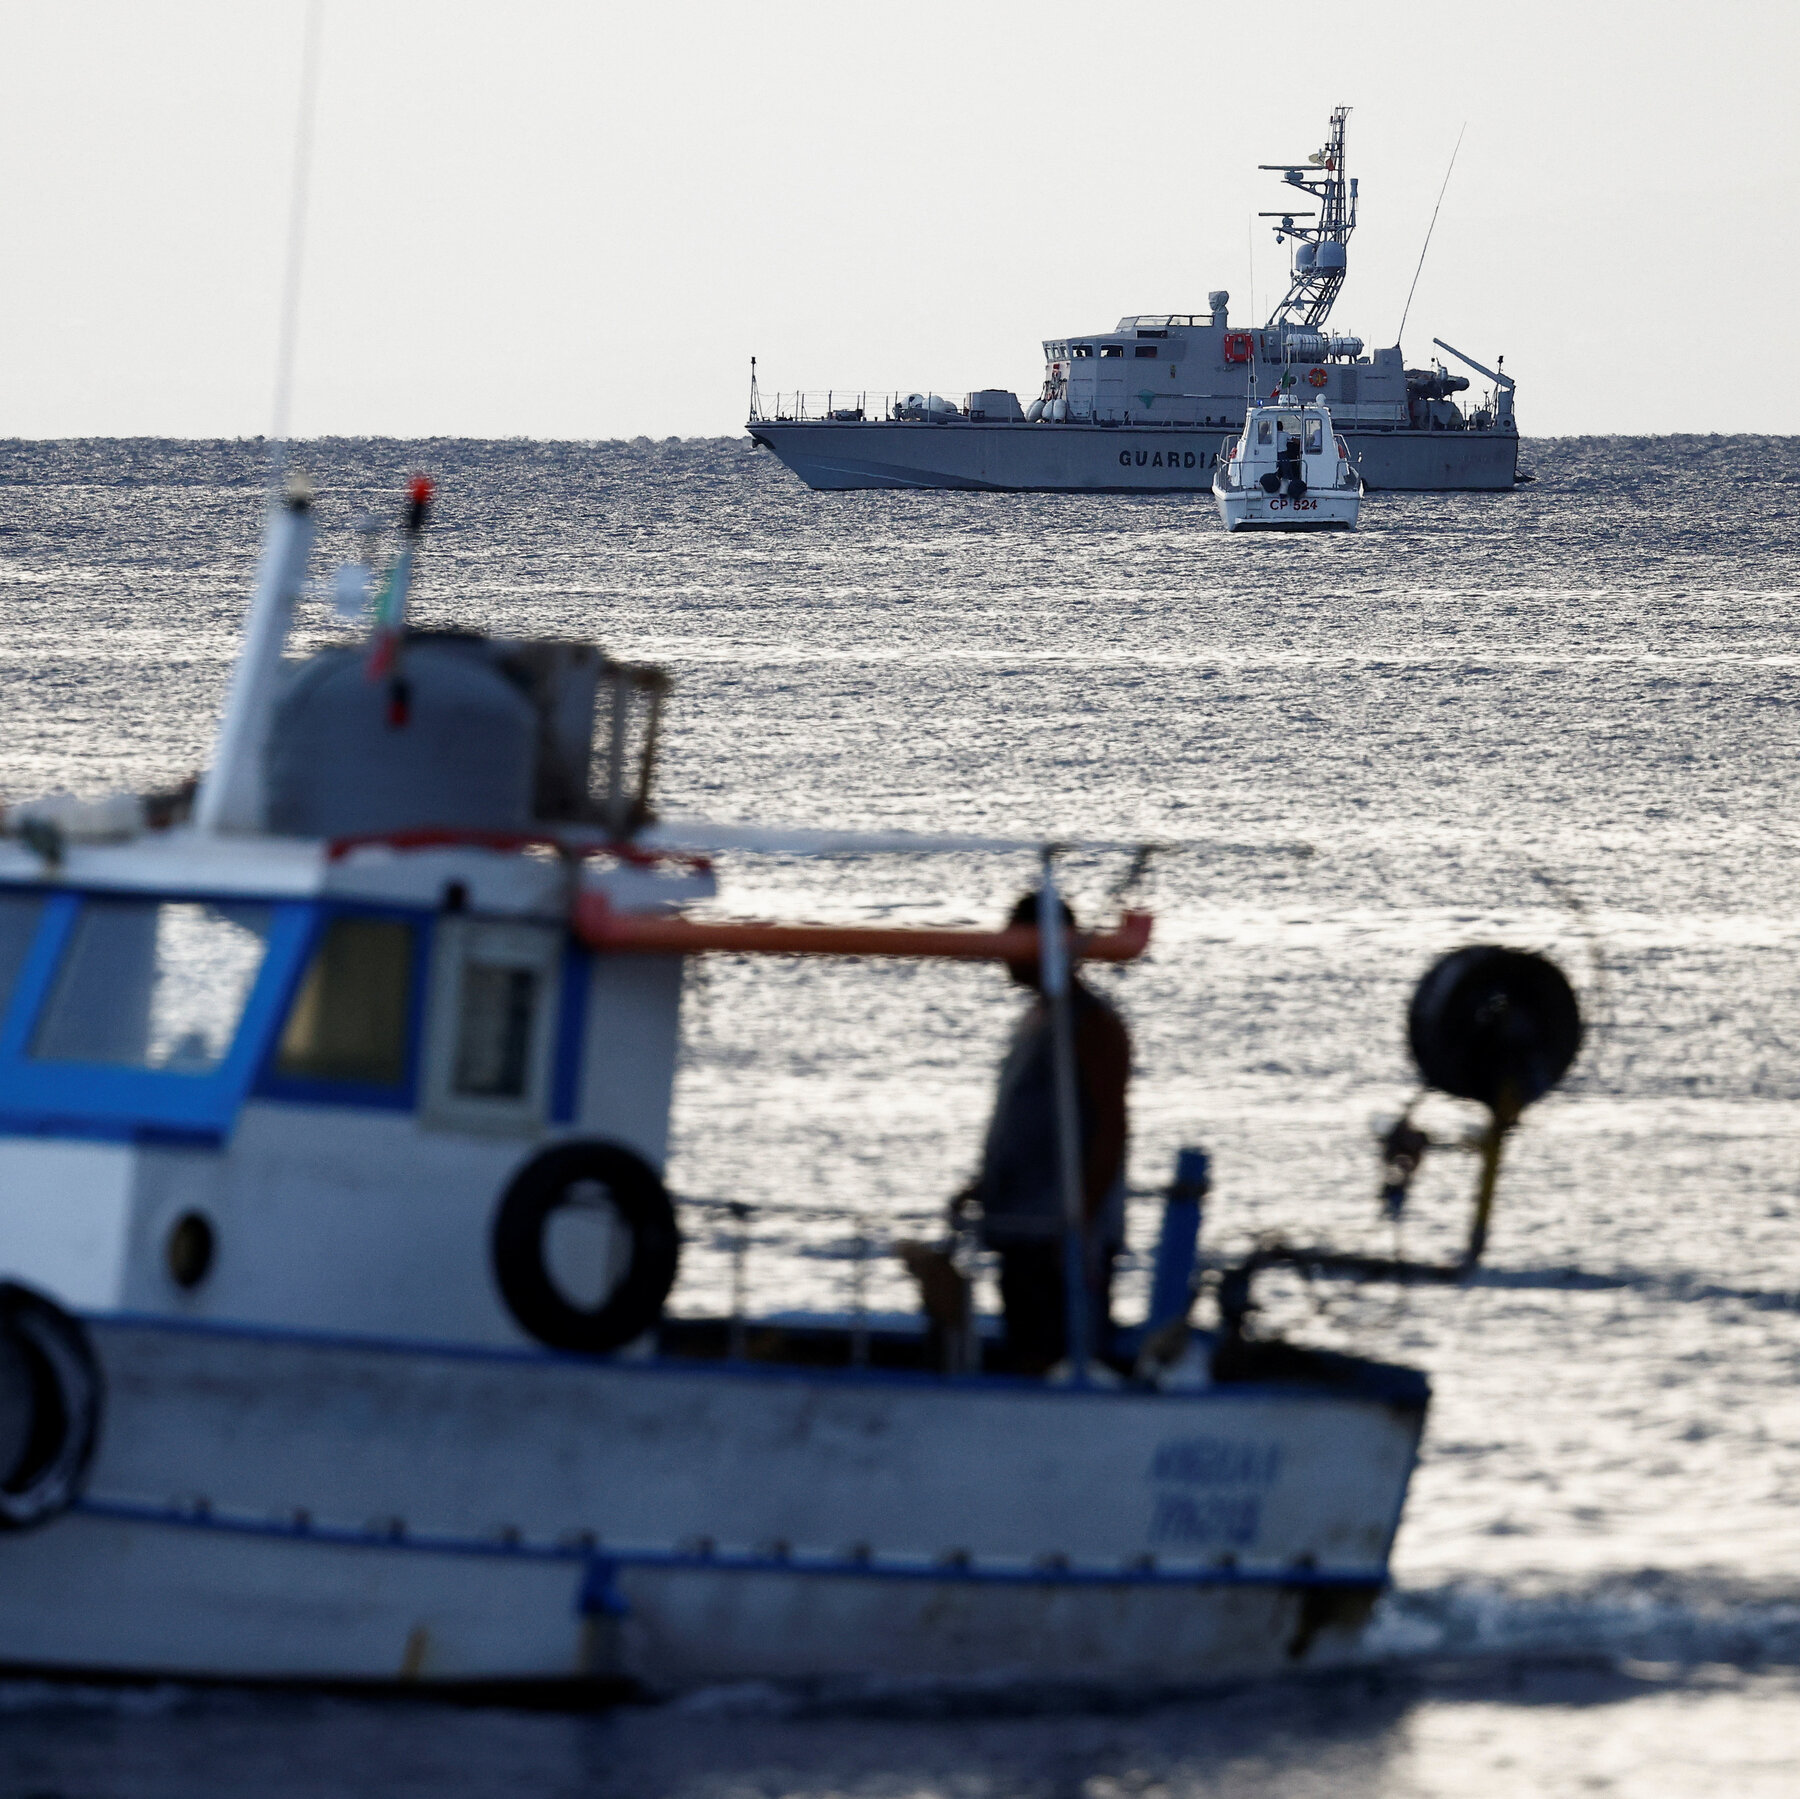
<point>1218,1509</point>
<point>1231,1518</point>
<point>1217,1462</point>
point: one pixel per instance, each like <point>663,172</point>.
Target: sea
<point>1564,718</point>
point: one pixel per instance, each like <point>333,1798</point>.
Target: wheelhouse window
<point>1315,437</point>
<point>153,984</point>
<point>1079,351</point>
<point>1265,431</point>
<point>494,1001</point>
<point>19,916</point>
<point>351,1017</point>
<point>1145,350</point>
<point>1112,349</point>
<point>493,1031</point>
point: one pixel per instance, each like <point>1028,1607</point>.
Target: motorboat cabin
<point>1287,470</point>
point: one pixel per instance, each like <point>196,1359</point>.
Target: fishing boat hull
<point>269,1505</point>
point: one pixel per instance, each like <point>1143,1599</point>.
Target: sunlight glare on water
<point>1563,718</point>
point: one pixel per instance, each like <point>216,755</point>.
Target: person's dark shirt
<point>1020,1185</point>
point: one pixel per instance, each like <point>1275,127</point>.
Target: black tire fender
<point>50,1401</point>
<point>540,1189</point>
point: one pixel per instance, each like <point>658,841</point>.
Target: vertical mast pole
<point>1053,963</point>
<point>231,792</point>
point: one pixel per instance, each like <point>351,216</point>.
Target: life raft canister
<point>1239,346</point>
<point>1317,377</point>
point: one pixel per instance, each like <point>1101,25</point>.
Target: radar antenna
<point>1319,261</point>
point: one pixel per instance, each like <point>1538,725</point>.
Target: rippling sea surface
<point>1564,717</point>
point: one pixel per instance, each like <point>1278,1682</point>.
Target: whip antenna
<point>296,239</point>
<point>1428,231</point>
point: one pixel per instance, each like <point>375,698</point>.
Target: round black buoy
<point>1500,1026</point>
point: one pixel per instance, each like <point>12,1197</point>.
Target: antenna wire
<point>296,238</point>
<point>1428,231</point>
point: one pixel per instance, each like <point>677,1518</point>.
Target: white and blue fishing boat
<point>335,1244</point>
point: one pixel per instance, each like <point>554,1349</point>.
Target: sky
<point>582,220</point>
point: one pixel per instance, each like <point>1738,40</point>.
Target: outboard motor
<point>49,1407</point>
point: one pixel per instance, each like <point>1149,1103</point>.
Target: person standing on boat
<point>1019,1187</point>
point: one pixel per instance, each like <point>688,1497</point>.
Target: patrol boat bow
<point>333,1340</point>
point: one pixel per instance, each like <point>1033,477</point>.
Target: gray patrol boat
<point>1145,408</point>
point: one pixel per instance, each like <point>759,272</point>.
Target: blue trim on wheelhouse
<point>116,1102</point>
<point>357,1095</point>
<point>571,1025</point>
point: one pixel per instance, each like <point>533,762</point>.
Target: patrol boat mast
<point>1321,258</point>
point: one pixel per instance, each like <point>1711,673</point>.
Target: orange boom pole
<point>601,927</point>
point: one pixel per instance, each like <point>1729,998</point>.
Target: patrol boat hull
<point>1080,458</point>
<point>278,1505</point>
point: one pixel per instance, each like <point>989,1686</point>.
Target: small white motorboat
<point>1288,470</point>
<point>334,1251</point>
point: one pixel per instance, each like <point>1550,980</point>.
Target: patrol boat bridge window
<point>158,984</point>
<point>1145,350</point>
<point>1112,349</point>
<point>1080,350</point>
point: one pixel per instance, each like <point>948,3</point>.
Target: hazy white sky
<point>581,220</point>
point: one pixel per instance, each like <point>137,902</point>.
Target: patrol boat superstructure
<point>1140,408</point>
